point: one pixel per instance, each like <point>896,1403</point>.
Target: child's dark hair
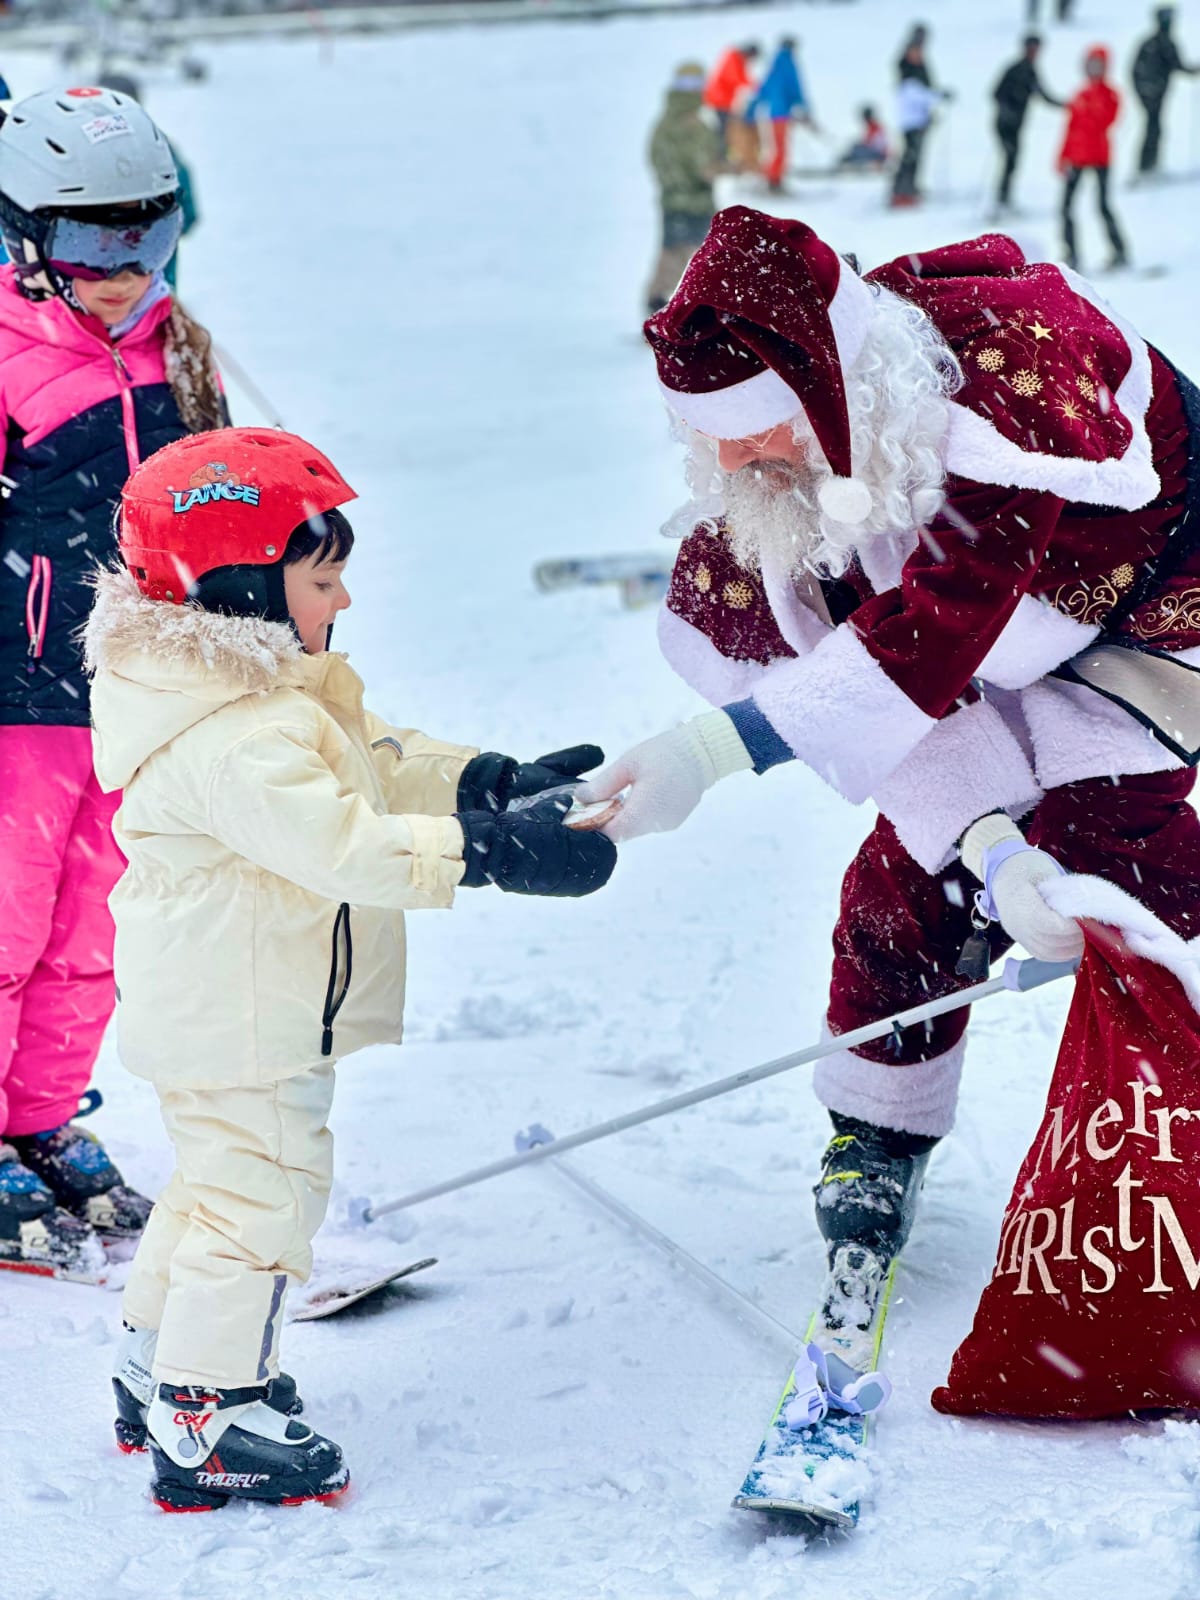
<point>328,536</point>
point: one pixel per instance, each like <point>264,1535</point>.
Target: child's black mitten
<point>531,852</point>
<point>490,781</point>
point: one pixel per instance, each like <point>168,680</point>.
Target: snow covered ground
<point>430,252</point>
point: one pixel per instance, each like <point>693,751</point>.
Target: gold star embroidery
<point>1086,388</point>
<point>991,360</point>
<point>1026,383</point>
<point>739,595</point>
<point>702,578</point>
<point>1039,330</point>
<point>1067,407</point>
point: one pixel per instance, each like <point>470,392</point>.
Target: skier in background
<point>1012,94</point>
<point>781,96</point>
<point>1156,62</point>
<point>916,101</point>
<point>1087,148</point>
<point>728,92</point>
<point>276,832</point>
<point>685,153</point>
<point>1063,10</point>
<point>871,148</point>
<point>100,366</point>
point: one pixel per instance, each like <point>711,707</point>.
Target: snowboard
<point>329,1302</point>
<point>814,1475</point>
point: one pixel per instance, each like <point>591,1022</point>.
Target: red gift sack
<point>1094,1305</point>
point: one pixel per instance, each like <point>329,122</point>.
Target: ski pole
<point>1016,975</point>
<point>741,1305</point>
<point>248,386</point>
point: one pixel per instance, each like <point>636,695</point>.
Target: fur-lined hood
<point>158,669</point>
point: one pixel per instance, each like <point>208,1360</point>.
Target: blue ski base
<point>815,1472</point>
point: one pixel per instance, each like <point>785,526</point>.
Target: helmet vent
<point>56,147</point>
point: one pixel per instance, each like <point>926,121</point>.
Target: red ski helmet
<point>208,517</point>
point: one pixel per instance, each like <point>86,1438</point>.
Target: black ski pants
<point>1008,132</point>
<point>1034,10</point>
<point>1152,138</point>
<point>1115,238</point>
<point>904,187</point>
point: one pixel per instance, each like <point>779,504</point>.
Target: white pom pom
<point>845,500</point>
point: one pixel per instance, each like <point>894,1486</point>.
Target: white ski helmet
<point>82,147</point>
<point>88,186</point>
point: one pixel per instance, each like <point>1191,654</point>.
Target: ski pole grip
<point>1032,973</point>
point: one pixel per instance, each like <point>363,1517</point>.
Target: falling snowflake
<point>1026,383</point>
<point>991,360</point>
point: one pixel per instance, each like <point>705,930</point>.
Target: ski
<point>814,1473</point>
<point>642,579</point>
<point>329,1301</point>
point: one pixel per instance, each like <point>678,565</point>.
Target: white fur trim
<point>976,450</point>
<point>796,621</point>
<point>701,665</point>
<point>882,557</point>
<point>1036,639</point>
<point>246,651</point>
<point>1080,895</point>
<point>846,500</point>
<point>967,764</point>
<point>764,401</point>
<point>916,1099</point>
<point>842,714</point>
<point>1077,734</point>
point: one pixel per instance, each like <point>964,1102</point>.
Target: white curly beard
<point>897,397</point>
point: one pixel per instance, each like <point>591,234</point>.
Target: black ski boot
<point>36,1235</point>
<point>133,1388</point>
<point>78,1171</point>
<point>210,1446</point>
<point>866,1201</point>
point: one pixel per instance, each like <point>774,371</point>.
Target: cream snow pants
<point>233,1226</point>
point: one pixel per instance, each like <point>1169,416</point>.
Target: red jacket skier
<point>1086,148</point>
<point>919,498</point>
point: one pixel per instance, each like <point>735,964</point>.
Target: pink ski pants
<point>58,865</point>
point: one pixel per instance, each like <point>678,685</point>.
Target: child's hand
<point>530,852</point>
<point>491,781</point>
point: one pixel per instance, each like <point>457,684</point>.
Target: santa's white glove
<point>667,775</point>
<point>994,849</point>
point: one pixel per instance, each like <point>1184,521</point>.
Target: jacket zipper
<point>128,418</point>
<point>37,608</point>
<point>334,998</point>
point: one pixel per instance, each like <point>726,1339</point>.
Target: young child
<point>275,832</point>
<point>98,368</point>
<point>870,149</point>
<point>1087,147</point>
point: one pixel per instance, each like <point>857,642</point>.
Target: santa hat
<point>764,323</point>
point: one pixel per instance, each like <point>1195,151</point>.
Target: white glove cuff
<point>721,743</point>
<point>981,836</point>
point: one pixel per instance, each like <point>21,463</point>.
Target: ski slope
<point>430,252</point>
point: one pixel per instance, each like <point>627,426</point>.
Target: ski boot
<point>210,1446</point>
<point>133,1388</point>
<point>866,1201</point>
<point>77,1170</point>
<point>38,1236</point>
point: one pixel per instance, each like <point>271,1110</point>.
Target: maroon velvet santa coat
<point>1065,463</point>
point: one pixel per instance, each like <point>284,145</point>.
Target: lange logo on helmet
<point>213,481</point>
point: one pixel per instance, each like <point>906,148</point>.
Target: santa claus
<point>942,548</point>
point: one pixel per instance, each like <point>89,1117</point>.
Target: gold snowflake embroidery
<point>1069,410</point>
<point>1086,388</point>
<point>991,360</point>
<point>702,578</point>
<point>739,595</point>
<point>1123,577</point>
<point>1026,383</point>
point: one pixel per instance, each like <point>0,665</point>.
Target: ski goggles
<point>96,251</point>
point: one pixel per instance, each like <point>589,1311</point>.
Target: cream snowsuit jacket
<point>275,831</point>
